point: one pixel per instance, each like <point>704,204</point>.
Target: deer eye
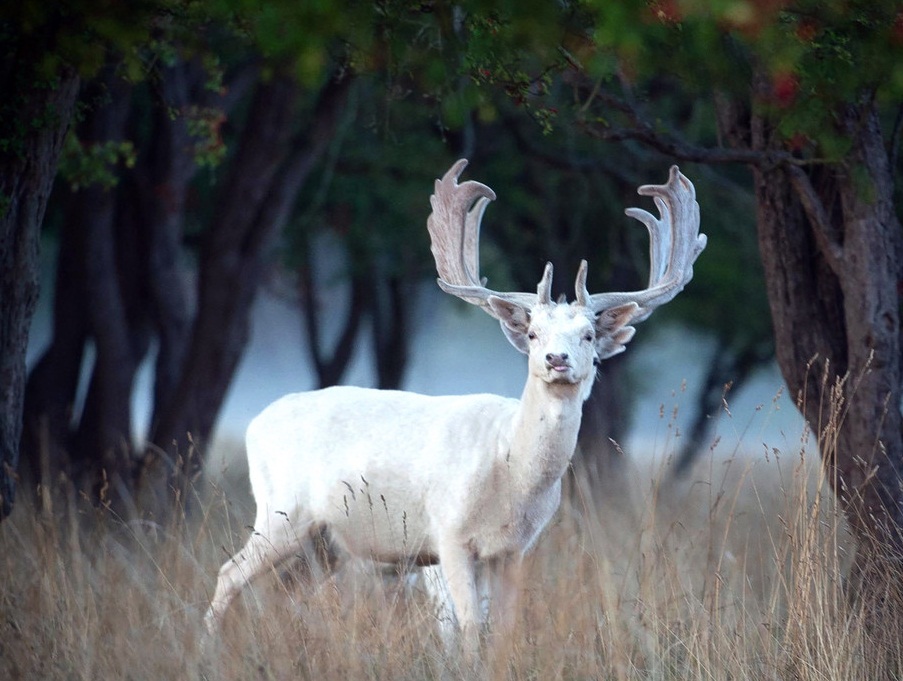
<point>531,335</point>
<point>588,337</point>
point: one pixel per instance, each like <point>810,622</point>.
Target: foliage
<point>205,129</point>
<point>373,182</point>
<point>801,60</point>
<point>97,163</point>
<point>813,55</point>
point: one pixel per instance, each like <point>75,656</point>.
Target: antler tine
<point>675,243</point>
<point>580,286</point>
<point>454,227</point>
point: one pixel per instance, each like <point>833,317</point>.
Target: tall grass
<point>734,574</point>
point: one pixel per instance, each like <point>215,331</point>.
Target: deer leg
<point>261,553</point>
<point>505,574</point>
<point>459,569</point>
<point>503,579</point>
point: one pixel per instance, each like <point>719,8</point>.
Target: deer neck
<point>545,432</point>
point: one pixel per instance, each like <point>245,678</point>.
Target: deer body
<point>467,482</point>
<point>395,494</point>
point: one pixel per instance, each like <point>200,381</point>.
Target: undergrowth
<point>735,572</point>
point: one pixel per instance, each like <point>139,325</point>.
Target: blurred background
<point>240,193</point>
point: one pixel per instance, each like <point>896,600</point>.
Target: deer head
<point>563,340</point>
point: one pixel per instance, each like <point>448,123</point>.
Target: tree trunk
<point>119,279</point>
<point>390,304</point>
<point>52,385</point>
<point>161,190</point>
<point>264,179</point>
<point>98,301</point>
<point>330,367</point>
<point>102,447</point>
<point>27,170</point>
<point>831,247</point>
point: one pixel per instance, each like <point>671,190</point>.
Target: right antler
<point>675,243</point>
<point>454,227</point>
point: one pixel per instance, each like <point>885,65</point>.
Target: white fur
<point>400,477</point>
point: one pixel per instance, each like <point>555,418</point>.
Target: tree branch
<point>683,150</point>
<point>639,129</point>
<point>818,218</point>
<point>894,146</point>
<point>570,162</point>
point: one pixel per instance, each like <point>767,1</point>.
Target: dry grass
<point>735,575</point>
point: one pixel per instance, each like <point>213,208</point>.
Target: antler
<point>454,227</point>
<point>675,243</point>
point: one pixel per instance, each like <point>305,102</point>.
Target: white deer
<point>469,481</point>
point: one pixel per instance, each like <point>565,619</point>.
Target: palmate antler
<point>454,228</point>
<point>675,243</point>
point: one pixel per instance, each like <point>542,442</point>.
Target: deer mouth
<point>560,372</point>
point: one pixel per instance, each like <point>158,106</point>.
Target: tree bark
<point>119,280</point>
<point>268,171</point>
<point>831,244</point>
<point>101,447</point>
<point>99,301</point>
<point>27,170</point>
<point>161,189</point>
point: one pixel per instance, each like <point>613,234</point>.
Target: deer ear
<point>613,330</point>
<point>515,321</point>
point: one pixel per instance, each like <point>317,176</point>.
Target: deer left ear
<point>613,330</point>
<point>515,321</point>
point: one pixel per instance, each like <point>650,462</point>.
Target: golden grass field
<point>735,573</point>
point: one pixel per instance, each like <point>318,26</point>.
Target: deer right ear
<point>515,321</point>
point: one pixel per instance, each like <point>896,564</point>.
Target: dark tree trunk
<point>330,368</point>
<point>27,170</point>
<point>390,303</point>
<point>230,267</point>
<point>101,448</point>
<point>119,280</point>
<point>53,381</point>
<point>265,176</point>
<point>386,299</point>
<point>161,191</point>
<point>831,246</point>
<point>98,301</point>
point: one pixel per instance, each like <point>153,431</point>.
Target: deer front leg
<point>505,585</point>
<point>459,569</point>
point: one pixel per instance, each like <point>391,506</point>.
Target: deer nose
<point>555,360</point>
